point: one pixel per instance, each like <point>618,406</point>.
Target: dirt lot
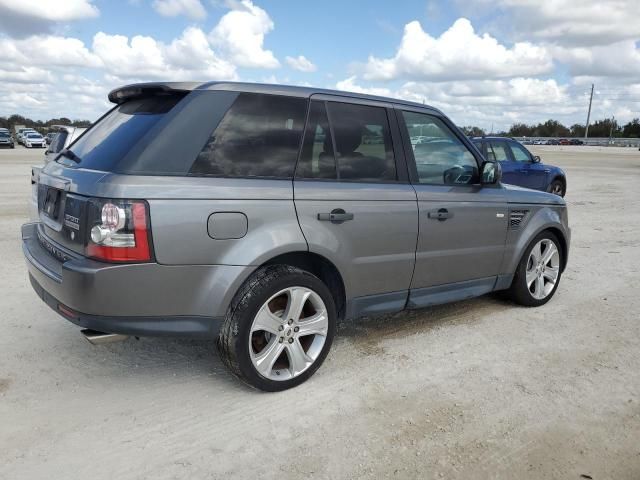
<point>477,389</point>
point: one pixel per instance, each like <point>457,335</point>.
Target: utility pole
<point>613,122</point>
<point>586,127</point>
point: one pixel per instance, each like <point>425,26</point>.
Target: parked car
<point>183,221</point>
<point>576,141</point>
<point>552,142</point>
<point>564,141</point>
<point>22,132</point>
<point>64,137</point>
<point>520,167</point>
<point>33,139</point>
<point>6,140</point>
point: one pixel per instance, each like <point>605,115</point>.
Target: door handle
<point>441,214</point>
<point>337,215</point>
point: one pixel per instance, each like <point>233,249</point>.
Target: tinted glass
<point>259,136</point>
<point>58,141</point>
<point>441,158</point>
<point>363,143</point>
<point>499,150</point>
<point>105,145</point>
<point>317,159</point>
<point>520,154</point>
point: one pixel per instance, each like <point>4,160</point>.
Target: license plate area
<point>51,204</point>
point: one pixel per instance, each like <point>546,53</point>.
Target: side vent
<point>516,218</point>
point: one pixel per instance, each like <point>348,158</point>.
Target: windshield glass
<point>34,135</point>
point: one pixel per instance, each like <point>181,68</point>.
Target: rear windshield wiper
<point>70,155</point>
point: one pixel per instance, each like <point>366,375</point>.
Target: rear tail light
<point>119,231</point>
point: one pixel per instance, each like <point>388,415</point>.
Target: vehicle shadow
<point>184,359</point>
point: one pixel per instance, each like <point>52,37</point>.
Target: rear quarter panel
<point>180,208</point>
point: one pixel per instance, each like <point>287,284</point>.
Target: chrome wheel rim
<point>543,269</point>
<point>288,333</point>
<point>557,189</point>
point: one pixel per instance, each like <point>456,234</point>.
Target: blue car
<point>520,167</point>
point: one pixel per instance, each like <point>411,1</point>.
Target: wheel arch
<point>545,219</point>
<point>319,266</point>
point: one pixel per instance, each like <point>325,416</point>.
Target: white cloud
<point>54,10</point>
<point>188,57</point>
<point>482,102</point>
<point>172,8</point>
<point>47,50</point>
<point>621,59</point>
<point>350,85</point>
<point>569,23</point>
<point>301,63</point>
<point>21,74</point>
<point>459,53</point>
<point>240,35</point>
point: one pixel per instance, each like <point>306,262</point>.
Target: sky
<point>483,62</point>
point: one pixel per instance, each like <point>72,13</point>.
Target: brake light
<point>120,232</point>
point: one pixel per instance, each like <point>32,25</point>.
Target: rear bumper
<point>132,299</point>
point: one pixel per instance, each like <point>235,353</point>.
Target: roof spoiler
<point>136,90</point>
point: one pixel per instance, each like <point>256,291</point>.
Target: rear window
<point>114,136</point>
<point>57,143</point>
<point>203,133</point>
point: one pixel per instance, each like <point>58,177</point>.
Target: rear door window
<point>259,136</point>
<point>499,150</point>
<point>363,146</point>
<point>317,159</point>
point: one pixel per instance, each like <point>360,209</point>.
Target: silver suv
<point>261,215</point>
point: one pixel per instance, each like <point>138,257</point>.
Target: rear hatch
<point>155,132</point>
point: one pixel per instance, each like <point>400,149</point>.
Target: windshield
<point>34,135</point>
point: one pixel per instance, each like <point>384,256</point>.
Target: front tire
<point>538,274</point>
<point>278,329</point>
<point>557,188</point>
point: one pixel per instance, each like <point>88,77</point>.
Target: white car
<point>65,136</point>
<point>33,139</point>
<point>22,132</point>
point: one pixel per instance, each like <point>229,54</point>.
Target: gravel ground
<point>476,389</point>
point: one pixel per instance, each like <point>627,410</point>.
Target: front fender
<point>538,219</point>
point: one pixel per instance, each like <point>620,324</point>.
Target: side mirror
<point>536,159</point>
<point>491,173</point>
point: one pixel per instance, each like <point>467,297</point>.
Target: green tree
<point>471,131</point>
<point>577,130</point>
<point>632,129</point>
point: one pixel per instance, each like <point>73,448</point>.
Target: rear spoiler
<point>136,90</point>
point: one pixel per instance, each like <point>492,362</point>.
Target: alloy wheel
<point>288,333</point>
<point>543,269</point>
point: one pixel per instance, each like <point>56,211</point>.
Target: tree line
<point>553,128</point>
<point>40,125</point>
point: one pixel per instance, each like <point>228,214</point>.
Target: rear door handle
<point>337,215</point>
<point>441,214</point>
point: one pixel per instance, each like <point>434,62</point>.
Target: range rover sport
<point>259,215</point>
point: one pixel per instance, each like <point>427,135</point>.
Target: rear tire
<point>278,329</point>
<point>538,274</point>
